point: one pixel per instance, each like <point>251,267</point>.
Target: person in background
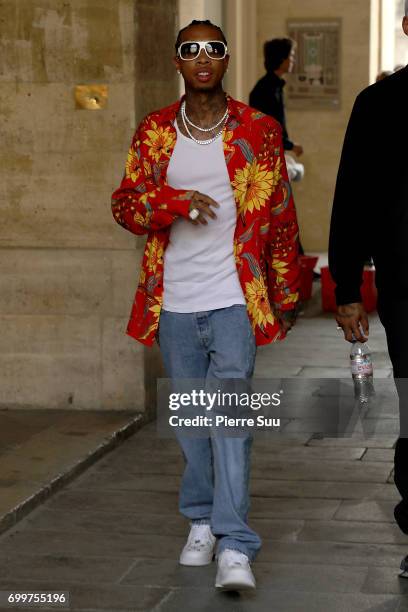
<point>267,95</point>
<point>370,217</point>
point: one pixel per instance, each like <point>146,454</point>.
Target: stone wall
<point>321,131</point>
<point>68,273</point>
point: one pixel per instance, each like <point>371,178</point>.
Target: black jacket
<point>370,208</point>
<point>267,97</point>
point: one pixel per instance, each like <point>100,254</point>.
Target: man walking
<point>267,95</point>
<point>370,218</point>
<point>206,180</point>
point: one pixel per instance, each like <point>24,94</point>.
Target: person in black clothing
<point>267,95</point>
<point>370,218</point>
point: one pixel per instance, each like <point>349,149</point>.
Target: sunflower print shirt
<point>265,242</point>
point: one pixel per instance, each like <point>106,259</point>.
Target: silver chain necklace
<point>202,129</point>
<point>200,142</point>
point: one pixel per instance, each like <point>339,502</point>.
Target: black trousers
<point>394,317</point>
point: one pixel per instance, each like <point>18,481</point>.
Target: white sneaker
<point>199,549</point>
<point>234,572</point>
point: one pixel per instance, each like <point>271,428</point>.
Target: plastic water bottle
<point>362,371</point>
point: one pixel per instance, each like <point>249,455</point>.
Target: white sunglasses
<point>191,49</point>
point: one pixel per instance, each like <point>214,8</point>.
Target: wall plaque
<point>315,80</point>
<point>91,97</point>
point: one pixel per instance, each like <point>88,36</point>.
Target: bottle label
<point>362,366</point>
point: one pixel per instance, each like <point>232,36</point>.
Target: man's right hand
<point>353,320</point>
<point>297,149</point>
<point>203,204</point>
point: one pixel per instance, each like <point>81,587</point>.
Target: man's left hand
<point>353,320</point>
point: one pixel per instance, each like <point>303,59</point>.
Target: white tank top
<point>199,264</point>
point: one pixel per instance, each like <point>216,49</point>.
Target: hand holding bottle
<point>353,320</point>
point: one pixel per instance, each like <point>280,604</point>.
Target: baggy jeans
<point>214,344</point>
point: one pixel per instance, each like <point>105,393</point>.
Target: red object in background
<point>307,263</point>
<point>368,290</point>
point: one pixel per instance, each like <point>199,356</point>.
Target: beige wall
<point>67,272</point>
<point>321,132</point>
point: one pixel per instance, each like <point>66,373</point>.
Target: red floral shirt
<point>266,234</point>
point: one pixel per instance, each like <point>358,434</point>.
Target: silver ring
<point>338,327</point>
<point>194,213</point>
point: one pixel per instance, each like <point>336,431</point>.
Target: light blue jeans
<point>215,484</point>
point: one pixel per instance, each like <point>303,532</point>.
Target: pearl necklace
<point>200,142</point>
<point>202,129</point>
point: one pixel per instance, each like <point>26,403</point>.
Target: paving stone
<point>289,508</point>
<point>163,446</point>
<point>365,510</point>
<point>201,600</point>
<point>349,531</point>
<point>385,580</point>
<point>337,372</point>
<point>370,427</point>
<point>101,522</point>
<point>309,578</point>
<point>115,500</point>
<point>264,441</point>
<point>153,448</point>
<point>13,433</point>
<point>275,576</point>
<point>402,604</point>
<point>379,454</point>
<point>130,523</point>
<point>364,428</point>
<point>279,530</point>
<point>114,479</point>
<point>382,441</point>
<point>167,503</point>
<point>391,477</point>
<point>264,369</point>
<point>80,545</point>
<point>264,467</point>
<point>100,596</point>
<point>349,471</point>
<point>321,489</point>
<point>21,565</point>
<point>333,553</point>
<point>14,491</point>
<point>259,486</point>
<point>308,453</point>
<point>170,483</point>
<point>386,409</point>
<point>142,463</point>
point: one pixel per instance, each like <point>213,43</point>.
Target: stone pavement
<point>322,506</point>
<point>42,450</point>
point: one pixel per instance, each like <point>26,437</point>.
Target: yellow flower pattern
<point>258,303</point>
<point>238,247</point>
<point>154,255</point>
<point>281,269</point>
<point>160,140</point>
<point>132,170</point>
<point>252,186</point>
